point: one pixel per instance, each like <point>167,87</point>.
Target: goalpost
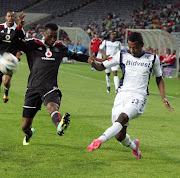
<point>161,40</point>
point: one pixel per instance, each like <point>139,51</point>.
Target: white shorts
<point>132,104</point>
<point>114,68</point>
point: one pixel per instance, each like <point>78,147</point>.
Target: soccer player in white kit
<point>136,65</point>
<point>111,48</point>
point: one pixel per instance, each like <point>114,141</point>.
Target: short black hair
<point>51,26</point>
<point>135,36</point>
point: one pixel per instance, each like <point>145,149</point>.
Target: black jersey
<point>7,38</point>
<point>44,62</point>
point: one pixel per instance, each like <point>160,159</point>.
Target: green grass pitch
<point>86,99</point>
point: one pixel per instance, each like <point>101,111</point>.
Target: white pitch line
<point>111,83</point>
<point>84,77</point>
<point>101,80</point>
<point>73,69</point>
<point>166,95</point>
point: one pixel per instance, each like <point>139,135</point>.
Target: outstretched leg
<point>125,140</point>
<point>61,122</point>
<point>110,132</point>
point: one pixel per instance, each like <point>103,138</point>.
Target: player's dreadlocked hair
<point>136,36</point>
<point>51,26</point>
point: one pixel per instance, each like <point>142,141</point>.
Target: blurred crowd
<point>149,16</point>
<point>156,16</point>
<point>166,59</point>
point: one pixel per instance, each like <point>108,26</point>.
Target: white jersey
<point>111,48</point>
<point>136,71</point>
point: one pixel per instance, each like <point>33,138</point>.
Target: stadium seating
<point>58,8</point>
<point>15,5</point>
<point>95,11</point>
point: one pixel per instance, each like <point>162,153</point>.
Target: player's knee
<point>120,136</point>
<point>123,119</point>
<point>115,73</point>
<point>6,80</point>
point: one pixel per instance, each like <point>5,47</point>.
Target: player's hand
<point>20,19</point>
<point>106,57</point>
<point>91,59</point>
<point>167,105</point>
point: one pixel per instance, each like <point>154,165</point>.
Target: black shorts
<point>34,99</point>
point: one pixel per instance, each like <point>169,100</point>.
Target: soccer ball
<point>8,63</point>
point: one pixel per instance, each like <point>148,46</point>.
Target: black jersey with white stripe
<point>8,38</point>
<point>44,62</point>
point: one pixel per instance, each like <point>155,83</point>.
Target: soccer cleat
<point>136,152</point>
<point>94,145</point>
<point>63,124</point>
<point>26,140</point>
<point>108,89</point>
<point>5,98</point>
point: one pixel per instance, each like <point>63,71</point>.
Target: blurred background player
<point>130,101</point>
<point>7,34</point>
<point>94,46</point>
<point>110,48</point>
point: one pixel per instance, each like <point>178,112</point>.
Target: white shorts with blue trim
<point>132,104</point>
<point>114,68</point>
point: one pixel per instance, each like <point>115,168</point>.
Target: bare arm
<point>18,55</point>
<point>97,65</point>
<point>161,86</point>
<point>90,49</point>
<point>106,57</point>
<point>101,51</point>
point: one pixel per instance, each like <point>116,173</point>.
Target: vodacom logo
<point>7,37</point>
<point>48,54</point>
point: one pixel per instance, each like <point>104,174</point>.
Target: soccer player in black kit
<point>44,58</point>
<point>7,39</point>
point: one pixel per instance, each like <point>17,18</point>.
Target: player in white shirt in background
<point>130,101</point>
<point>111,48</point>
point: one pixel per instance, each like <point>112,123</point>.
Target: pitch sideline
<point>99,80</point>
<point>111,83</point>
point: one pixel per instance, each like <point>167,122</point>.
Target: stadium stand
<point>15,5</point>
<point>101,16</point>
<point>59,8</point>
<point>97,11</point>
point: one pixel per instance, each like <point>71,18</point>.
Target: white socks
<point>116,82</point>
<point>128,143</point>
<point>111,131</point>
<point>108,81</point>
